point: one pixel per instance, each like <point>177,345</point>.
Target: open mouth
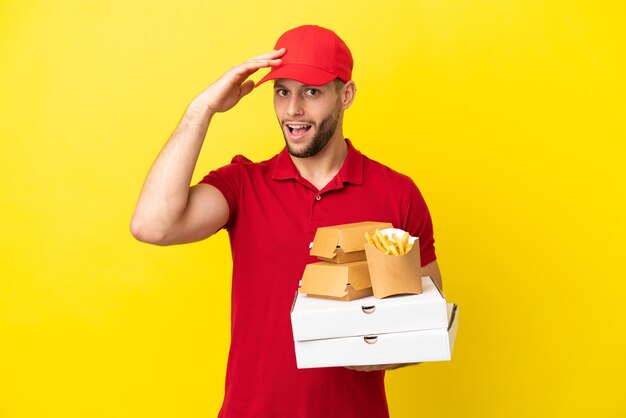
<point>298,129</point>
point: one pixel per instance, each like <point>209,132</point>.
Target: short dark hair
<point>339,83</point>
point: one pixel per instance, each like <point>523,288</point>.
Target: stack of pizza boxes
<point>363,306</point>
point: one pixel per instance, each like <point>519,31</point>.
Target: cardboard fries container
<point>345,282</point>
<point>400,337</point>
<point>394,274</point>
<point>343,243</point>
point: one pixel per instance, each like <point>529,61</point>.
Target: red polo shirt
<point>274,214</point>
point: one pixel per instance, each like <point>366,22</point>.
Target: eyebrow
<point>277,85</point>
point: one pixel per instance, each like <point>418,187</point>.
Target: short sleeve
<point>419,223</point>
<point>227,180</point>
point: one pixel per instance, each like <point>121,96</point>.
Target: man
<point>318,179</point>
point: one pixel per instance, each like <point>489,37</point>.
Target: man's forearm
<point>165,192</point>
<point>165,196</point>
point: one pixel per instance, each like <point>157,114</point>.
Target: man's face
<point>308,115</point>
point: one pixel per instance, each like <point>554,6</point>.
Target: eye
<point>312,92</point>
<point>281,92</point>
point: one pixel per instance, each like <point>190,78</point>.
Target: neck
<point>321,168</point>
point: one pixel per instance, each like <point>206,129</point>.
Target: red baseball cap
<point>315,56</point>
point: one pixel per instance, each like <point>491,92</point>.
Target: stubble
<point>325,132</point>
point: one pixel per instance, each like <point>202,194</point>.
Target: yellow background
<point>509,115</point>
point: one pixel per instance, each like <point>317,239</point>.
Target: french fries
<point>390,246</point>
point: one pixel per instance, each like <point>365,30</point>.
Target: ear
<point>347,93</point>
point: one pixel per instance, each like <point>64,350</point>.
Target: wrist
<point>199,112</point>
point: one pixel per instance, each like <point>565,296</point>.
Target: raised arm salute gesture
<point>168,210</point>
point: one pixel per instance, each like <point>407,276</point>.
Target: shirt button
<point>318,197</point>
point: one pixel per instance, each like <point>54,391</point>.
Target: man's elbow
<point>147,232</point>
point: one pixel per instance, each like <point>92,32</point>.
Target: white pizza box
<point>392,348</point>
<point>316,318</point>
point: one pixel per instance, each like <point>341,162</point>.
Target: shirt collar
<point>350,172</point>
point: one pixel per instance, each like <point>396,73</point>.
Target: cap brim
<point>305,74</point>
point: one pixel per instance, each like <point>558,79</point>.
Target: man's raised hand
<point>226,92</point>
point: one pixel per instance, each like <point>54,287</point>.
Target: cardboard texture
<point>343,243</point>
<point>385,348</point>
<point>394,274</point>
<point>344,282</point>
<point>313,318</point>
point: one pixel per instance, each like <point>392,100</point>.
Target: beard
<point>325,132</point>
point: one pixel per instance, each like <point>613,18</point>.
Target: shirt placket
<point>320,202</point>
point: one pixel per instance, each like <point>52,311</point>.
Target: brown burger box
<point>394,274</point>
<point>346,281</point>
<point>344,243</point>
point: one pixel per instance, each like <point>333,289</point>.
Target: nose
<point>294,107</point>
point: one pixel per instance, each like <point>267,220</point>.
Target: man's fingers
<point>256,65</point>
<point>248,68</point>
<point>269,59</point>
<point>246,88</point>
<point>265,60</point>
<point>377,367</point>
<point>270,55</point>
